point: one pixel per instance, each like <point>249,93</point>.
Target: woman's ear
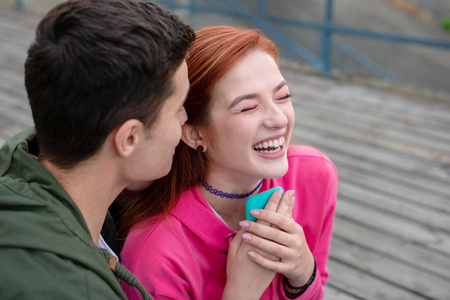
<point>193,137</point>
<point>128,136</point>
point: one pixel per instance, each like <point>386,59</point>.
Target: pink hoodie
<point>185,256</point>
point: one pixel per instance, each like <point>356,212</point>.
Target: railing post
<point>326,35</point>
<point>169,5</point>
<point>262,8</point>
<point>19,5</point>
<point>192,9</point>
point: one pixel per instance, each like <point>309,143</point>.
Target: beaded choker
<point>227,195</point>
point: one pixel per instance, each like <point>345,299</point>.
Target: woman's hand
<point>245,278</point>
<point>284,238</point>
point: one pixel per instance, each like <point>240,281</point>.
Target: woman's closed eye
<point>285,97</point>
<point>249,108</point>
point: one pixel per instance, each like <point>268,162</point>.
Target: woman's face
<point>251,121</point>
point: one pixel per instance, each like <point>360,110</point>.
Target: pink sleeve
<point>319,242</point>
<point>313,292</point>
<point>322,247</point>
<point>322,250</point>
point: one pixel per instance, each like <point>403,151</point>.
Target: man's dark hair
<point>95,64</point>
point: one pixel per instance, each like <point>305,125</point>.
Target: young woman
<point>195,243</point>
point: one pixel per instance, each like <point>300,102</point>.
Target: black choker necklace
<point>230,196</point>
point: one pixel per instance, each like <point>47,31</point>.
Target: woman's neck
<point>231,210</point>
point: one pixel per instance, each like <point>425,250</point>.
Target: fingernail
<point>290,194</point>
<point>292,201</point>
<point>244,224</point>
<point>246,237</point>
<point>252,255</point>
<point>254,213</point>
<point>278,193</point>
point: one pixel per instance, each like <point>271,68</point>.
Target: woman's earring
<point>201,148</point>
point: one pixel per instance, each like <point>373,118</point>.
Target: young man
<point>106,81</point>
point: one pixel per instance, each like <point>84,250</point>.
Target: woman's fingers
<point>240,238</point>
<point>256,234</point>
<point>291,204</point>
<point>276,266</point>
<point>267,246</point>
<point>271,238</point>
<point>281,203</point>
<point>237,241</point>
<point>278,221</point>
<point>272,204</point>
<point>266,255</point>
<point>291,248</point>
<point>286,204</point>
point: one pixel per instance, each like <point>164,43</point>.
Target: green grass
<point>445,23</point>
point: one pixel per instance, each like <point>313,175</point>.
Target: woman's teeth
<point>271,146</point>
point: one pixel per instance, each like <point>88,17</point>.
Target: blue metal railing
<point>19,5</point>
<point>327,30</point>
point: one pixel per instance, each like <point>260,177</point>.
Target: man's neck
<point>93,187</point>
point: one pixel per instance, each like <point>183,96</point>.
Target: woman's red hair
<point>215,50</point>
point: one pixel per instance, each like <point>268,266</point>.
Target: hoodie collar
<point>194,212</point>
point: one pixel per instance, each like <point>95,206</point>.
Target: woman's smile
<point>270,146</point>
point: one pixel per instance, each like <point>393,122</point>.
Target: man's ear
<point>128,136</point>
<point>192,136</point>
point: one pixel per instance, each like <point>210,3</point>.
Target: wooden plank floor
<point>392,151</point>
<point>392,232</point>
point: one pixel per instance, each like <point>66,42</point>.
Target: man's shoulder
<point>45,242</point>
<point>10,146</point>
<point>34,274</point>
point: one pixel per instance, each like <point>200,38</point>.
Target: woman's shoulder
<point>311,174</point>
<point>167,229</point>
<point>306,153</point>
<point>310,161</point>
<point>151,240</point>
<point>142,231</point>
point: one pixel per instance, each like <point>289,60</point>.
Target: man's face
<point>156,152</point>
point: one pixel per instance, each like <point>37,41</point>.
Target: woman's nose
<point>275,117</point>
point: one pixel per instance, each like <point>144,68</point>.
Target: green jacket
<point>46,250</point>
